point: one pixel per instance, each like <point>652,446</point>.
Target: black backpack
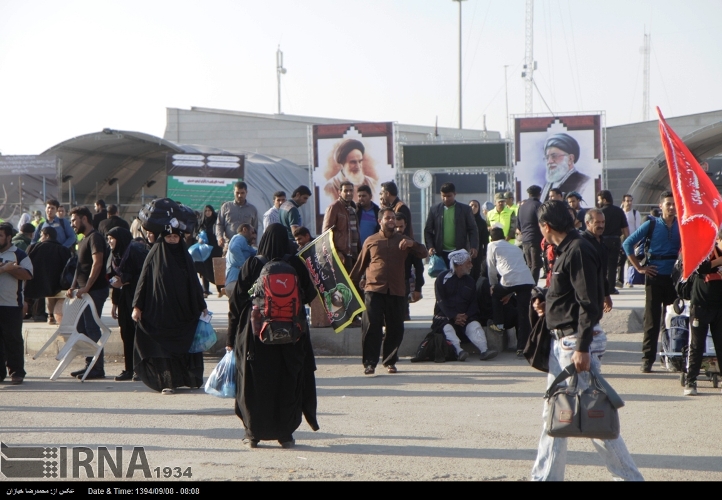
<point>435,348</point>
<point>163,214</point>
<point>641,251</point>
<point>68,275</point>
<point>682,287</point>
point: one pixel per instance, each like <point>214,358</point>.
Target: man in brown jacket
<point>381,263</point>
<point>341,216</point>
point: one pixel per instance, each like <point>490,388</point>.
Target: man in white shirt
<point>634,219</point>
<point>15,270</point>
<point>272,216</point>
<point>509,275</point>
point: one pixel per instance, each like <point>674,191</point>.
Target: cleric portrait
<point>350,156</point>
<point>561,153</point>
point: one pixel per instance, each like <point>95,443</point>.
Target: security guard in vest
<point>502,216</point>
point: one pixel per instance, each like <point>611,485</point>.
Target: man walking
<point>341,216</point>
<point>113,220</point>
<point>457,309</point>
<point>90,278</point>
<point>451,226</point>
<point>594,223</point>
<point>658,287</point>
<point>573,309</point>
<point>368,214</point>
<point>531,236</point>
<point>634,220</point>
<point>390,199</point>
<point>289,215</point>
<point>15,270</point>
<point>382,263</point>
<point>272,215</point>
<point>234,213</point>
<point>66,236</point>
<point>615,227</point>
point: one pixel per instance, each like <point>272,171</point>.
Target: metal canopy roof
<point>91,163</point>
<point>654,179</point>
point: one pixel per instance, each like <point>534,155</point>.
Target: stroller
<point>676,342</point>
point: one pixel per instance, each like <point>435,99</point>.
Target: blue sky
<point>74,67</point>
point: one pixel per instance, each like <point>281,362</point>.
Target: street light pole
<point>460,105</point>
<point>280,70</point>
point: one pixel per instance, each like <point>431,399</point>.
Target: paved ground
<point>453,421</point>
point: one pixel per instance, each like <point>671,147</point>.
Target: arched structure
<point>654,179</point>
<point>103,164</point>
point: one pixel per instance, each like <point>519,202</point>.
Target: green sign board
<point>197,179</point>
<point>197,192</point>
<point>431,156</point>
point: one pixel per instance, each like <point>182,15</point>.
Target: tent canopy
<point>101,164</point>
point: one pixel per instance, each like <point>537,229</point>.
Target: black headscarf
<point>274,243</point>
<point>207,223</point>
<point>122,237</point>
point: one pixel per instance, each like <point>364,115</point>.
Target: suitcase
<point>219,270</point>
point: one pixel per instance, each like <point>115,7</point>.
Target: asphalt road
<point>453,421</point>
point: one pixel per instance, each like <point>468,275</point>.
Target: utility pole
<point>529,64</point>
<point>460,107</point>
<point>646,51</point>
<point>280,70</point>
<point>506,97</point>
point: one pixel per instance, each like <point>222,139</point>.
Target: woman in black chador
<point>126,265</point>
<point>275,383</point>
<point>167,305</point>
<point>207,223</point>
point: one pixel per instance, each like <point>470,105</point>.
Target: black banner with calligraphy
<point>338,295</point>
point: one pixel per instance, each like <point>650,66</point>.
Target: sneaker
<point>488,354</point>
<point>136,378</point>
<point>628,285</point>
<point>690,389</point>
<point>167,392</point>
<point>614,292</point>
<point>520,355</point>
<point>462,355</point>
<point>369,370</point>
<point>124,375</point>
<point>646,367</point>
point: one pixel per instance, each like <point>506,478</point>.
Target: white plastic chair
<point>76,343</point>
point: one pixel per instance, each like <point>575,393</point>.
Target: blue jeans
<point>551,457</point>
<point>89,327</point>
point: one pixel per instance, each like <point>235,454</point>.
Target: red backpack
<point>277,314</point>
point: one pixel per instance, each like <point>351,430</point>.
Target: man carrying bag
<point>573,308</point>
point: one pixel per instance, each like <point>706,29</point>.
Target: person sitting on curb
<point>456,309</point>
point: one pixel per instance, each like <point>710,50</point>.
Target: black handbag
<point>591,413</point>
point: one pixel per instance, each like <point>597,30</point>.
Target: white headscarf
<point>24,219</point>
<point>456,257</point>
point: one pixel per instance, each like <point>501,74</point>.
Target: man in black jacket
<point>49,258</point>
<point>531,237</point>
<point>112,221</point>
<point>451,226</point>
<point>594,220</point>
<point>573,309</point>
<point>100,215</point>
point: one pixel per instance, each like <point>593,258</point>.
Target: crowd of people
<point>495,255</point>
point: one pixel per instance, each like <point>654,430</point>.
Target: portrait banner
<point>362,153</point>
<point>338,295</point>
<point>564,152</point>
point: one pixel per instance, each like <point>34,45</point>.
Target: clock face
<point>422,179</point>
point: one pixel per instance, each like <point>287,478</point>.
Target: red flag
<point>698,203</point>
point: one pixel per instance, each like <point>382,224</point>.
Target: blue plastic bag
<point>200,252</point>
<point>205,337</point>
<point>203,236</point>
<point>436,266</point>
<point>222,381</point>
